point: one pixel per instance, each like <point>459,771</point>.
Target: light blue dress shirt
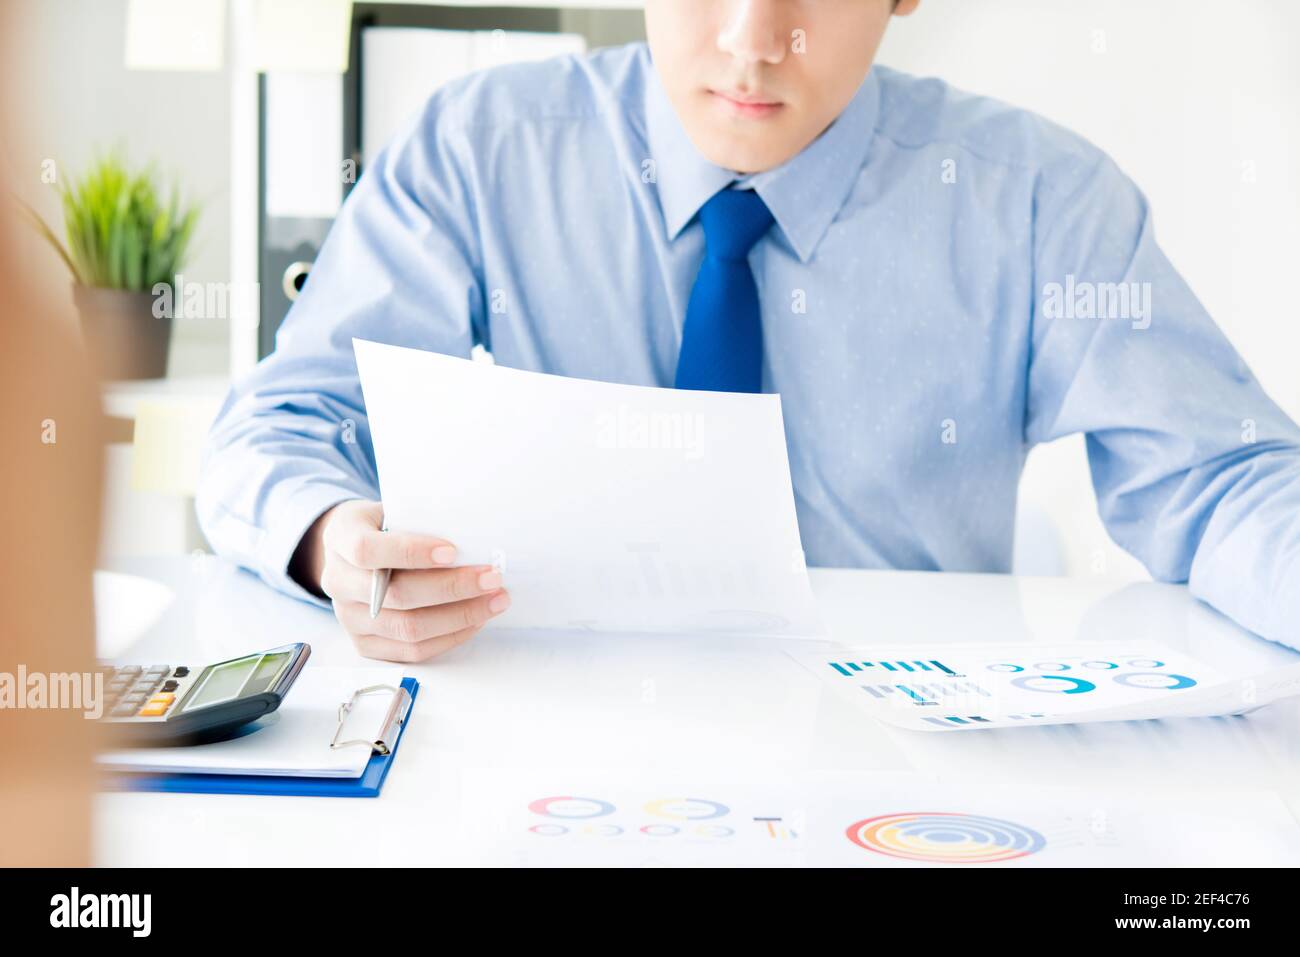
<point>946,285</point>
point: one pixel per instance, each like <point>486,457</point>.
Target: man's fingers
<point>356,538</point>
<point>411,588</point>
<point>420,624</point>
<point>420,588</point>
<point>407,652</point>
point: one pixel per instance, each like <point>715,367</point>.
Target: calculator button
<point>157,707</point>
<point>135,699</point>
<point>159,670</point>
<point>180,672</point>
<point>170,685</point>
<point>123,711</point>
<point>143,687</point>
<point>158,704</point>
<point>130,670</point>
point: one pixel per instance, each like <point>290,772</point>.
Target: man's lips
<point>746,104</point>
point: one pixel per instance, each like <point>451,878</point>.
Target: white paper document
<point>292,741</point>
<point>608,507</point>
<point>978,687</point>
<point>583,818</point>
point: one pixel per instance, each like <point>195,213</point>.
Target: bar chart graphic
<point>959,686</point>
<point>859,669</point>
<point>925,694</point>
<point>951,719</point>
<point>775,828</point>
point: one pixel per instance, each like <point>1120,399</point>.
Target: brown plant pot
<point>123,337</point>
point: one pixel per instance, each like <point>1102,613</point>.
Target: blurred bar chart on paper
<point>967,687</point>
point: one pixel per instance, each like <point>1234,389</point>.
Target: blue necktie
<point>722,339</point>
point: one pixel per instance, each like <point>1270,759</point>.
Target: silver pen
<point>379,584</point>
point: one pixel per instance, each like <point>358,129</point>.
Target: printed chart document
<point>608,507</point>
<point>973,687</point>
<point>678,817</point>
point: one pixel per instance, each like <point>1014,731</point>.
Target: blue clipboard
<point>368,785</point>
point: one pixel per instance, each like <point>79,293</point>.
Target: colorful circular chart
<point>945,838</point>
<point>686,809</point>
<point>1155,679</point>
<point>714,830</point>
<point>660,830</point>
<point>1053,684</point>
<point>1052,666</point>
<point>1146,663</point>
<point>1005,666</point>
<point>549,830</point>
<point>1100,665</point>
<point>571,808</point>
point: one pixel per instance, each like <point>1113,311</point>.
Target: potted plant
<point>123,241</point>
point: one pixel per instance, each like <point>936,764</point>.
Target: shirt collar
<point>804,193</point>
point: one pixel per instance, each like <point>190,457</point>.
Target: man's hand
<point>431,605</point>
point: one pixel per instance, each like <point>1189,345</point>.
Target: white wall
<point>1198,101</point>
<point>80,100</point>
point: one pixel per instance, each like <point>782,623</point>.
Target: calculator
<point>154,705</point>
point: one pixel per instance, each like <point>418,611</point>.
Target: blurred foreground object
<point>50,511</point>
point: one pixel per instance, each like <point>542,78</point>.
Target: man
<point>933,282</point>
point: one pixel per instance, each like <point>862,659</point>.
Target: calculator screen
<point>233,679</point>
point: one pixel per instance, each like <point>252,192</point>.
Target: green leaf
<point>118,232</point>
<point>39,224</point>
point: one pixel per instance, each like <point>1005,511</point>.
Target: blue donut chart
<point>1179,682</point>
<point>1061,684</point>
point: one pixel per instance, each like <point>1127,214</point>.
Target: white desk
<point>507,701</point>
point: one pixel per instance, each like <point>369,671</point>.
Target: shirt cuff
<point>286,532</point>
<point>1282,623</point>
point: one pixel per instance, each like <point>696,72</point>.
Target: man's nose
<point>753,32</point>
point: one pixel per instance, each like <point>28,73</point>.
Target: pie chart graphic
<point>1054,684</point>
<point>571,808</point>
<point>687,809</point>
<point>1156,679</point>
<point>940,837</point>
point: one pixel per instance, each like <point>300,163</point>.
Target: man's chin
<point>744,154</point>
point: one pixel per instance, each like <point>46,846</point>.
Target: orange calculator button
<point>157,706</point>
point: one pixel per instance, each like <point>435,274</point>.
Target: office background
<point>1193,99</point>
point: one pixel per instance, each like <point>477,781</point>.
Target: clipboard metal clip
<point>388,731</point>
